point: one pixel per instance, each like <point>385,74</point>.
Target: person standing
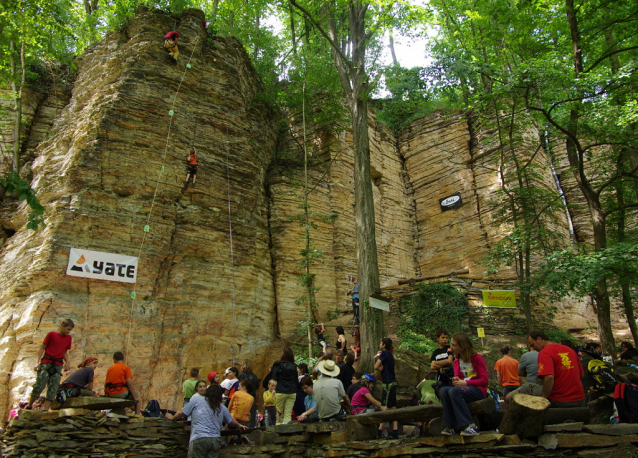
<point>188,387</point>
<point>207,415</point>
<point>53,357</point>
<point>354,292</point>
<point>284,372</point>
<point>241,403</point>
<point>385,365</point>
<point>468,384</point>
<point>247,373</point>
<point>507,371</point>
<point>119,382</point>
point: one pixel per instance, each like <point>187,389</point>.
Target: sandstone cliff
<point>114,161</point>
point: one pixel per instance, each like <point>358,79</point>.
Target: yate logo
<point>450,201</point>
<point>106,268</point>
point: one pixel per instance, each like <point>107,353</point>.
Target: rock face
<point>218,274</point>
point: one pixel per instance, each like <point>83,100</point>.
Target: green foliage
<point>557,335</point>
<point>433,306</point>
<point>14,184</point>
<point>411,97</point>
<point>579,271</point>
<point>414,341</point>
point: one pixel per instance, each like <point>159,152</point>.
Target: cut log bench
<point>364,426</point>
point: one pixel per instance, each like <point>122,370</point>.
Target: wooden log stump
<point>524,416</point>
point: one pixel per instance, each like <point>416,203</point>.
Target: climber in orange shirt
<point>191,169</point>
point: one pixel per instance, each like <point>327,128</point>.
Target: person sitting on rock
<point>80,382</point>
<point>629,353</point>
<point>53,356</point>
<point>329,393</point>
<point>468,384</point>
<point>362,399</point>
<point>309,415</point>
<point>119,382</point>
<point>191,170</point>
<point>560,370</point>
<point>170,43</point>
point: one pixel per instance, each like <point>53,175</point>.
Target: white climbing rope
<point>157,184</point>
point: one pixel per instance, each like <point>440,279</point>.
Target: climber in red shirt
<point>191,169</point>
<point>170,43</point>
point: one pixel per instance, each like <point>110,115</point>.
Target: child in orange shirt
<point>241,403</point>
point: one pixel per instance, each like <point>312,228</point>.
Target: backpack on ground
<point>152,409</point>
<point>603,374</point>
<point>626,402</point>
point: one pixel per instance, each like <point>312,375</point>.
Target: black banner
<point>451,202</point>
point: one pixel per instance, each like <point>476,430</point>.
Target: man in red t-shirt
<point>560,369</point>
<point>119,381</point>
<point>170,43</point>
<point>52,357</point>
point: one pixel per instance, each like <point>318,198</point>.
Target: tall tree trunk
<point>17,93</point>
<point>394,55</point>
<point>576,159</point>
<point>368,268</point>
<point>625,290</point>
<point>355,84</point>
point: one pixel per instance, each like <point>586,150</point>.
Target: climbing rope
<point>147,227</point>
<point>230,220</point>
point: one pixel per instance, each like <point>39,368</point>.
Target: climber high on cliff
<point>191,169</point>
<point>170,43</point>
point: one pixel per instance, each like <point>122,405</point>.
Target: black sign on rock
<point>451,202</point>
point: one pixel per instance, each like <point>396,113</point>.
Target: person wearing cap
<point>213,378</point>
<point>329,392</point>
<point>363,398</point>
<point>170,43</point>
<point>81,381</point>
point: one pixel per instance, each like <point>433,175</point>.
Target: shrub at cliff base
<point>433,306</point>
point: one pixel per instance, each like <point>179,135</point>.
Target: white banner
<point>379,302</point>
<point>102,266</point>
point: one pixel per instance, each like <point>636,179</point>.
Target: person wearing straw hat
<point>329,393</point>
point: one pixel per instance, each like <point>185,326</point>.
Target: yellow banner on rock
<point>493,298</point>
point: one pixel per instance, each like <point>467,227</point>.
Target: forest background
<point>540,75</point>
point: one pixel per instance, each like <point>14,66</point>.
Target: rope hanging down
<point>147,227</point>
<point>230,220</point>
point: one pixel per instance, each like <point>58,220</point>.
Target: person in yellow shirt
<point>241,403</point>
<point>270,403</point>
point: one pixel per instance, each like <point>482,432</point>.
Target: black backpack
<point>152,409</point>
<point>626,401</point>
